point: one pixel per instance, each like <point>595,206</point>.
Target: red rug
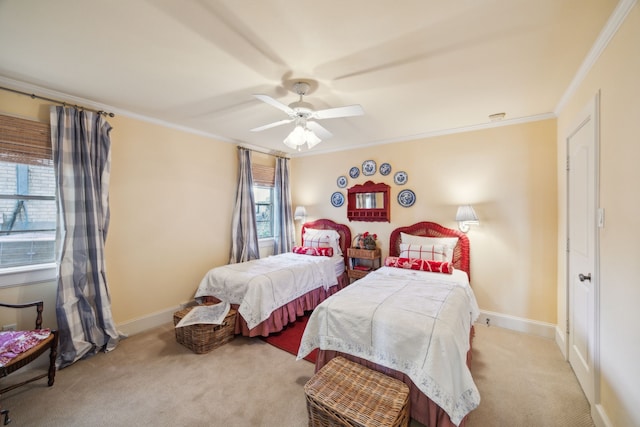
<point>289,338</point>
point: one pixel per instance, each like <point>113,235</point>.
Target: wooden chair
<point>23,359</point>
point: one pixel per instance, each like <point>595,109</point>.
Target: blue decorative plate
<point>368,167</point>
<point>385,169</point>
<point>354,172</point>
<point>400,178</point>
<point>406,198</point>
<point>342,181</point>
<point>337,199</point>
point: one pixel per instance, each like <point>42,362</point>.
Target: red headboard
<point>431,229</point>
<point>327,224</point>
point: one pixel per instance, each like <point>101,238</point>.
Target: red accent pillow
<point>419,264</point>
<point>305,250</point>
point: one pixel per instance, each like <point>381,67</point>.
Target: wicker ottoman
<point>202,338</point>
<point>344,393</point>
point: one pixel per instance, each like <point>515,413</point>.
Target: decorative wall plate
<point>400,178</point>
<point>337,199</point>
<point>406,198</point>
<point>342,181</point>
<point>369,167</point>
<point>354,172</point>
<point>385,169</point>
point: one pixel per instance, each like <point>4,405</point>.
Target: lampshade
<point>301,135</point>
<point>466,216</point>
<point>300,213</point>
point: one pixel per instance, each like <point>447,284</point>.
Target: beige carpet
<point>524,381</point>
<point>150,380</point>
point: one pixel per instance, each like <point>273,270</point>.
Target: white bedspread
<point>263,285</point>
<point>414,322</point>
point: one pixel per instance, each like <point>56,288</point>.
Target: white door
<point>582,149</point>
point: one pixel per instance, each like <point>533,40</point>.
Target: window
<point>27,194</point>
<point>263,197</point>
<point>263,181</point>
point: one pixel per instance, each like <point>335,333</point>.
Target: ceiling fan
<point>306,131</point>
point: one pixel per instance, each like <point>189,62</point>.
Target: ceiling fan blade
<point>333,113</point>
<point>279,105</point>
<point>272,125</point>
<point>319,130</point>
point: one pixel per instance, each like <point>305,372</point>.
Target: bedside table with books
<point>362,261</point>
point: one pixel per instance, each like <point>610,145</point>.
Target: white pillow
<point>449,242</point>
<point>330,232</point>
<point>428,252</point>
<point>316,241</point>
<point>333,237</point>
<point>424,240</point>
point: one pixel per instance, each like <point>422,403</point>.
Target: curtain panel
<point>284,232</point>
<point>244,231</point>
<point>82,161</point>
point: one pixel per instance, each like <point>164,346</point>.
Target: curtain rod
<point>63,103</point>
<point>278,154</point>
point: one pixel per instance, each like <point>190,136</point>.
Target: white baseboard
<point>519,324</point>
<point>534,327</point>
<point>151,321</point>
<point>561,341</point>
<point>599,416</point>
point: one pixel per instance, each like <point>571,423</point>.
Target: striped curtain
<point>82,160</point>
<point>284,234</point>
<point>244,231</point>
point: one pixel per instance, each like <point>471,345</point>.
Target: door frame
<point>590,112</point>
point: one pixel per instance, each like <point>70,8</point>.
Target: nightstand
<point>362,261</point>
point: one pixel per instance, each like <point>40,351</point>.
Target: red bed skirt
<point>286,314</point>
<point>423,409</point>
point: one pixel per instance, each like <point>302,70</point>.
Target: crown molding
<point>608,31</point>
<point>77,101</point>
<point>432,134</point>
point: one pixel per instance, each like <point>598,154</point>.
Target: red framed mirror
<point>369,202</point>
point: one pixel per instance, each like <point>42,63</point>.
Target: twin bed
<point>413,325</point>
<point>412,320</point>
<point>303,282</point>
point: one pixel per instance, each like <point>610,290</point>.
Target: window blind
<point>263,175</point>
<point>25,141</point>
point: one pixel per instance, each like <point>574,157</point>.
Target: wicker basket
<point>202,338</point>
<point>364,253</point>
<point>344,393</point>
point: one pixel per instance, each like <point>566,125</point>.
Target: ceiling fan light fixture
<point>296,138</point>
<point>311,138</point>
<point>299,136</point>
<point>307,130</point>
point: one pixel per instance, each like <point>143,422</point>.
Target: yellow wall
<point>171,197</point>
<point>615,75</point>
<point>507,173</point>
<point>171,200</point>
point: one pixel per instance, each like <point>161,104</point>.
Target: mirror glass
<point>369,200</point>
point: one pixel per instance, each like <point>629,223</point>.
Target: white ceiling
<point>417,67</point>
